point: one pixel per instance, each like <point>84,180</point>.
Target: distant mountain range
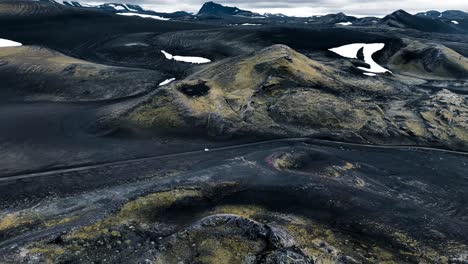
<point>402,19</point>
<point>450,21</point>
<point>449,14</point>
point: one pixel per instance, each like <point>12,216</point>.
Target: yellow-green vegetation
<point>277,91</point>
<point>416,127</point>
<point>94,230</point>
<point>213,244</point>
<point>339,170</point>
<point>226,250</point>
<point>349,166</point>
<point>60,221</point>
<point>233,88</point>
<point>448,65</point>
<point>447,117</point>
<point>27,59</point>
<point>144,208</point>
<point>161,112</point>
<point>417,250</point>
<point>50,253</point>
<point>360,183</point>
<point>8,8</point>
<point>316,109</point>
<point>286,161</point>
<point>141,210</point>
<point>247,211</point>
<point>315,239</point>
<point>10,220</point>
<point>279,62</point>
<point>431,118</point>
<point>412,248</point>
<point>269,67</point>
<point>404,239</point>
<point>28,8</point>
<point>25,218</point>
<point>292,162</point>
<point>310,236</point>
<point>49,74</point>
<point>14,220</point>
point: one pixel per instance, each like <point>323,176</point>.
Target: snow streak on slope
<point>344,23</point>
<point>143,15</point>
<point>168,81</point>
<point>196,60</point>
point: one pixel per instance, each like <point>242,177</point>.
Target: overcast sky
<point>308,7</point>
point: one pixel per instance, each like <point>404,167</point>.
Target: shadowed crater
<point>195,90</point>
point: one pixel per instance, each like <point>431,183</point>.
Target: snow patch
<point>196,60</point>
<point>454,22</point>
<point>168,81</point>
<point>143,15</point>
<point>344,23</point>
<point>351,50</point>
<point>369,73</point>
<point>167,55</point>
<point>348,51</point>
<point>249,24</point>
<point>117,7</point>
<point>9,43</point>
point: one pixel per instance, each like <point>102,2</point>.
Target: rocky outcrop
<point>446,116</point>
<point>226,238</point>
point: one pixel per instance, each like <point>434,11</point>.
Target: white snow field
<point>351,50</point>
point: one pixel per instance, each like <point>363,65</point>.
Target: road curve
<point>19,176</point>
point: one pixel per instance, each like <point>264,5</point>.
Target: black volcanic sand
<point>41,136</point>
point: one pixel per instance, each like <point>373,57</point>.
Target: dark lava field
<point>227,136</point>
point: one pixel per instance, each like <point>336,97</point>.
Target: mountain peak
<point>400,12</point>
<point>212,8</point>
<point>399,16</point>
